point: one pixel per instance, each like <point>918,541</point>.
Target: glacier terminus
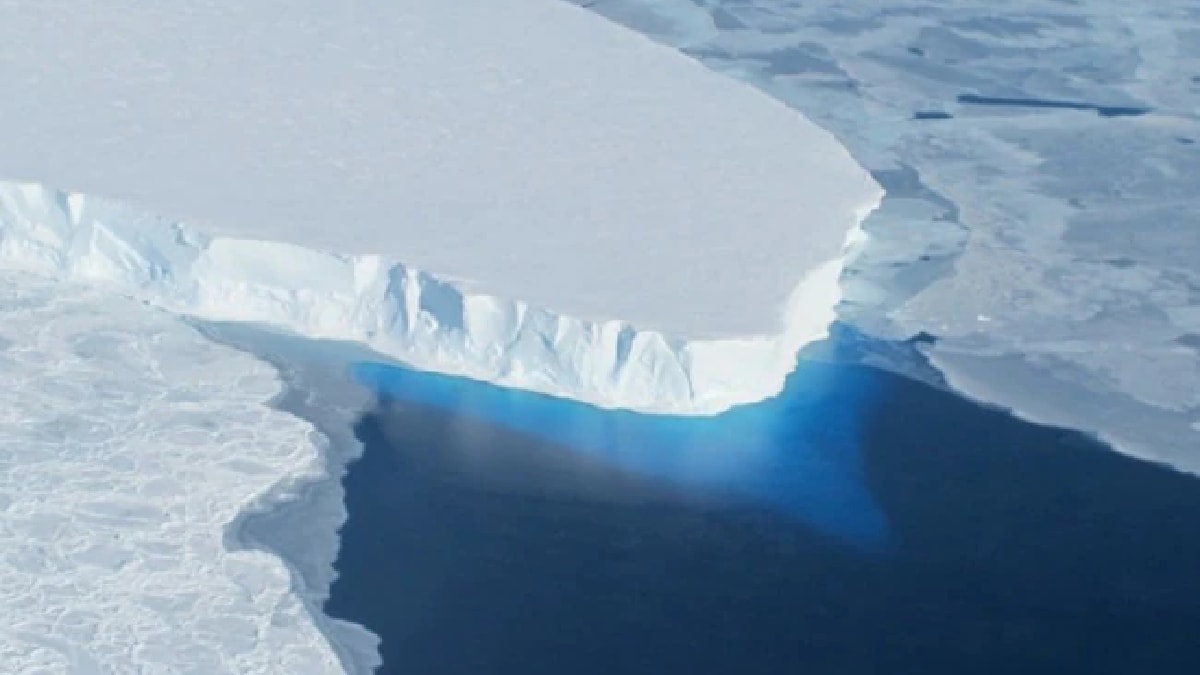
<point>535,197</point>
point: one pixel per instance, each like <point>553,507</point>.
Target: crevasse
<point>405,313</point>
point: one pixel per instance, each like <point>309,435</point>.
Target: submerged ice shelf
<point>587,214</point>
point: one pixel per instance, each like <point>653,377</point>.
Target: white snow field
<point>1054,252</point>
<point>520,192</point>
<point>128,443</point>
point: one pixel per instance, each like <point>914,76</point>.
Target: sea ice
<point>1052,252</point>
<point>128,443</point>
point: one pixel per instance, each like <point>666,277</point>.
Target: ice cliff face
<point>636,230</point>
<point>427,322</point>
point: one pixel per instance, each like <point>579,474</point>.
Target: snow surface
<point>128,443</point>
<point>526,157</point>
<point>1055,253</point>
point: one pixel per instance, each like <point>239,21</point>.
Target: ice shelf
<point>1042,227</point>
<point>524,192</point>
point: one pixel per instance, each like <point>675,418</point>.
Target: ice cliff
<point>520,192</point>
<point>402,312</point>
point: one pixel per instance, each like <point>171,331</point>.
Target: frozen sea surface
<point>1051,247</point>
<point>128,444</point>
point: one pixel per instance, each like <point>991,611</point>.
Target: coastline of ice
<point>404,313</point>
<point>300,523</point>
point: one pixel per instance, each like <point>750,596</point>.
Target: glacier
<point>588,214</point>
<point>402,312</point>
<point>537,198</point>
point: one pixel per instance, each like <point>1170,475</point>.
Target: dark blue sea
<point>860,523</point>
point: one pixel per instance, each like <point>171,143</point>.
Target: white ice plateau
<point>536,197</point>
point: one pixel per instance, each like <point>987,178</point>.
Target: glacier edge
<point>407,314</point>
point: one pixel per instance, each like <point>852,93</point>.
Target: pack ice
<point>128,443</point>
<point>519,192</point>
<point>1040,219</point>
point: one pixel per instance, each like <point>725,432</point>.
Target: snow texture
<point>577,209</point>
<point>128,443</point>
<point>1041,162</point>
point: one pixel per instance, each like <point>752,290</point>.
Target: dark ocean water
<point>860,523</point>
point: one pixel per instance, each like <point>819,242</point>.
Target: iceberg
<point>525,194</point>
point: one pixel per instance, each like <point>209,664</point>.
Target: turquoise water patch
<point>798,453</point>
